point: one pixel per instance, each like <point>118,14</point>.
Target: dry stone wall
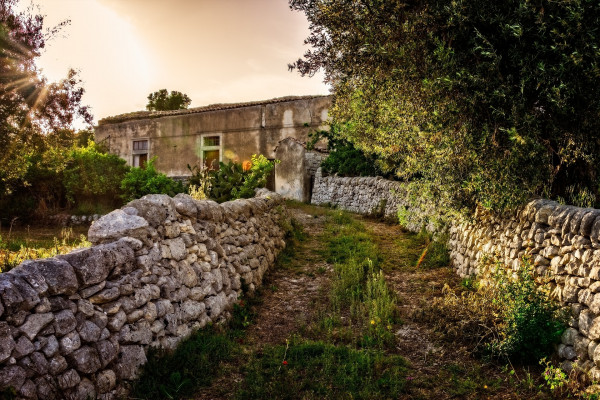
<point>78,326</point>
<point>362,195</point>
<point>563,243</point>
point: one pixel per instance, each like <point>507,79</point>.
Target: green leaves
<point>139,182</point>
<point>231,181</point>
<point>162,100</point>
<point>490,102</point>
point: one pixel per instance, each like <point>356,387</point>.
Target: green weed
<point>316,370</point>
<point>192,365</point>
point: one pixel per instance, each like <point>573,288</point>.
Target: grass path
<point>316,331</point>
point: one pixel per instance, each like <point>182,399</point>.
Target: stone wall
<point>362,195</point>
<point>563,243</point>
<point>79,325</point>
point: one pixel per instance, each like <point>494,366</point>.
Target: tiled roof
<point>213,107</point>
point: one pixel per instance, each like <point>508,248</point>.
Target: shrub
<point>93,176</point>
<point>344,158</point>
<point>199,183</point>
<point>505,315</point>
<point>139,182</point>
<point>530,325</point>
<point>231,181</point>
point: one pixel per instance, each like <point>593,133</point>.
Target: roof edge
<point>137,115</point>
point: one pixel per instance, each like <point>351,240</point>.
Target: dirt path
<point>293,294</point>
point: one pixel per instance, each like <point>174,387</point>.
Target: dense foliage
<point>344,158</point>
<point>32,110</point>
<point>474,102</point>
<point>162,100</point>
<point>231,181</point>
<point>504,315</point>
<point>139,182</point>
<point>40,188</point>
<point>92,175</point>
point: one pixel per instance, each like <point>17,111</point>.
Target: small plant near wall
<point>199,183</point>
<point>139,182</point>
<point>236,181</point>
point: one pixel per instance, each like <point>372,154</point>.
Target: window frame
<point>135,153</point>
<point>204,148</point>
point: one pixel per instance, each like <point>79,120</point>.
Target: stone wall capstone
<point>79,325</point>
<point>563,243</point>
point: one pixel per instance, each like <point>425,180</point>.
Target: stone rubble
<point>80,324</point>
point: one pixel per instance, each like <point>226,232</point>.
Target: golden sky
<point>213,50</point>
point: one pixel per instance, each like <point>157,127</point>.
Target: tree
<point>163,101</point>
<point>473,103</point>
<point>31,109</point>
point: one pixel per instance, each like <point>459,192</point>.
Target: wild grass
<point>20,246</point>
<point>318,370</point>
<point>195,362</point>
<point>359,294</point>
<point>503,316</point>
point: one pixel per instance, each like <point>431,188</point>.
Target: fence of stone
<point>563,243</point>
<point>79,326</point>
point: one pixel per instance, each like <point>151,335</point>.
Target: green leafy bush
<point>463,94</point>
<point>530,322</point>
<point>139,182</point>
<point>93,176</point>
<point>505,315</point>
<point>231,182</point>
<point>344,158</point>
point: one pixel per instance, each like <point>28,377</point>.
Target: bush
<point>93,176</point>
<point>530,324</point>
<point>463,94</point>
<point>231,182</point>
<point>504,315</point>
<point>139,182</point>
<point>344,158</point>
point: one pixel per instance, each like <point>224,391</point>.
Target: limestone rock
<point>115,225</point>
<point>85,359</point>
<point>34,323</point>
<point>129,361</point>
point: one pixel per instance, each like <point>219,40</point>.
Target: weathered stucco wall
<point>78,326</point>
<point>246,129</point>
<point>563,243</point>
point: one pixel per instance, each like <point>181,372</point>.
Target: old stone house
<point>223,132</point>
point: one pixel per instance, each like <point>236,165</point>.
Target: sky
<point>215,51</point>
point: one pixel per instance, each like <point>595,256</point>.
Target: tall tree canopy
<point>475,102</point>
<point>162,100</point>
<point>31,109</point>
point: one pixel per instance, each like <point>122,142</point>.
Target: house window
<point>211,151</point>
<point>139,156</point>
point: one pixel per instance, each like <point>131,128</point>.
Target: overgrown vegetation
<point>456,97</point>
<point>177,374</point>
<point>16,247</point>
<point>233,181</point>
<point>140,181</point>
<point>91,175</point>
<point>344,158</point>
<point>311,370</point>
<point>504,315</point>
<point>345,353</point>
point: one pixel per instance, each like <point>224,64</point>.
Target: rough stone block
<point>129,361</point>
<point>115,225</point>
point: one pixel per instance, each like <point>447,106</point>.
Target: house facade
<point>220,132</point>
